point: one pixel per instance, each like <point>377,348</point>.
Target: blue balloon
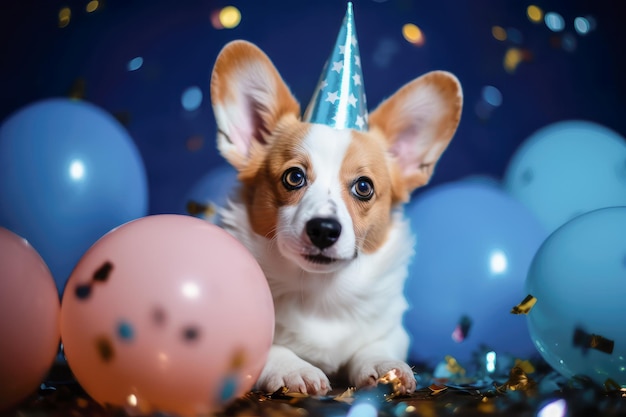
<point>69,173</point>
<point>474,245</point>
<point>567,169</point>
<point>578,278</point>
<point>211,192</point>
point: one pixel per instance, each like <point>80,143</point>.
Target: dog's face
<point>325,195</point>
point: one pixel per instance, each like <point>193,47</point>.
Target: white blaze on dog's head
<point>293,172</point>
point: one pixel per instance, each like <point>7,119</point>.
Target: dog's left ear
<point>419,121</point>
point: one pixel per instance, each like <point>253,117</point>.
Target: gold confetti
<point>105,348</point>
<point>518,381</point>
<point>296,395</point>
<point>612,385</point>
<point>525,306</point>
<point>347,396</point>
<point>593,341</point>
<point>194,208</point>
<point>392,378</point>
<point>238,359</point>
<point>453,366</point>
<point>437,389</point>
<point>525,365</point>
<point>487,405</point>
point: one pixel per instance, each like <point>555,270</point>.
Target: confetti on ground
<point>515,394</point>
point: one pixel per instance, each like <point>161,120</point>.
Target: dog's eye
<point>363,188</point>
<point>294,178</point>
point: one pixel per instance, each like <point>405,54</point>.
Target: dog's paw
<point>369,375</point>
<point>306,379</point>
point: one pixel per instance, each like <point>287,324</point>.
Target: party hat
<point>339,99</point>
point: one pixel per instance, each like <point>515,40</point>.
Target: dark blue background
<point>179,44</point>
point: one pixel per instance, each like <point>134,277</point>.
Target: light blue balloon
<point>474,246</point>
<point>211,192</point>
<point>579,280</point>
<point>69,173</point>
<point>567,169</point>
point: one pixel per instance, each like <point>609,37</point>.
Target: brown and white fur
<point>334,256</point>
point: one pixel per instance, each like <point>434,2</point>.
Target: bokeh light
<point>569,42</point>
<point>92,6</point>
<point>498,33</point>
<point>582,25</point>
<point>77,170</point>
<point>554,21</point>
<point>385,51</point>
<point>229,17</point>
<point>492,95</point>
<point>194,143</point>
<point>65,14</point>
<point>191,98</point>
<point>413,34</point>
<point>556,408</point>
<point>490,361</point>
<point>512,58</point>
<point>592,22</point>
<point>490,99</point>
<point>498,262</point>
<point>364,409</point>
<point>534,13</point>
<point>135,63</point>
<point>514,35</point>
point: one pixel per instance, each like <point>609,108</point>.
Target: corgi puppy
<point>321,210</point>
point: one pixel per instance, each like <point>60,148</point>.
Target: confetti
<point>453,366</point>
<point>525,366</point>
<point>347,396</point>
<point>525,306</point>
<point>437,389</point>
<point>83,291</point>
<point>191,333</point>
<point>61,396</point>
<point>105,348</point>
<point>518,381</point>
<point>102,274</point>
<point>391,378</point>
<point>592,341</point>
<point>125,331</point>
<point>195,209</point>
<point>461,331</point>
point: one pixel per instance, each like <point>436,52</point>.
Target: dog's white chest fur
<point>326,318</point>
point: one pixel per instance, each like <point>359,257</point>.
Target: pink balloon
<point>29,319</point>
<point>167,313</point>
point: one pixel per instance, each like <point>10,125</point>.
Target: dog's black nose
<point>323,232</point>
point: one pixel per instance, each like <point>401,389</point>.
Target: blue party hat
<point>339,99</point>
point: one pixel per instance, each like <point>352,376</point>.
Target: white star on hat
<point>352,100</point>
<point>359,122</point>
<point>338,66</point>
<point>332,97</point>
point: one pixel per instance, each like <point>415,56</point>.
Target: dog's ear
<point>249,98</point>
<point>419,121</point>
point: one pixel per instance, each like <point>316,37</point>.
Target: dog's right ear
<point>249,98</point>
